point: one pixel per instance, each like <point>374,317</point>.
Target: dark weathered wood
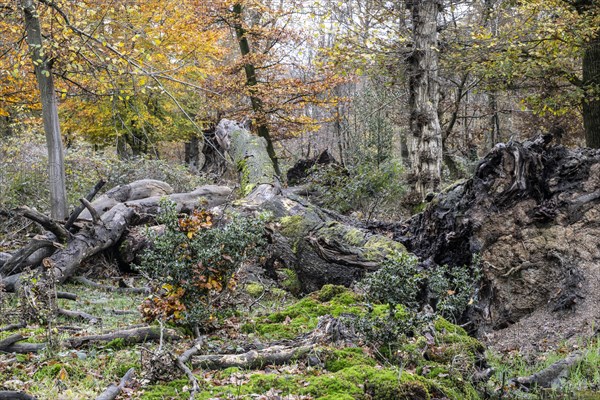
<point>274,355</point>
<point>66,296</point>
<point>12,395</point>
<point>181,362</point>
<point>24,348</point>
<point>137,335</point>
<point>91,209</point>
<point>19,259</point>
<point>46,222</point>
<point>133,191</point>
<point>114,390</point>
<point>4,343</point>
<point>77,211</point>
<point>552,375</point>
<point>79,315</point>
<point>12,327</point>
<point>87,282</point>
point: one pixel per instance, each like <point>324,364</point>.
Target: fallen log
<point>114,222</point>
<point>87,282</point>
<point>12,327</point>
<point>329,331</point>
<point>33,253</point>
<point>79,315</point>
<point>12,395</point>
<point>550,376</point>
<point>24,348</point>
<point>12,339</point>
<point>66,296</point>
<point>114,390</point>
<point>129,336</point>
<point>320,246</point>
<point>274,355</point>
<point>89,197</point>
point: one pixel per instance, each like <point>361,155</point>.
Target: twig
<point>183,359</point>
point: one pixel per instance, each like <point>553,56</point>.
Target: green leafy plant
<point>367,189</point>
<point>195,260</point>
<point>397,282</point>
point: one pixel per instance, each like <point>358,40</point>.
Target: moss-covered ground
<point>437,361</point>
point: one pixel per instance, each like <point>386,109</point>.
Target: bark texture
<point>424,96</point>
<point>43,74</point>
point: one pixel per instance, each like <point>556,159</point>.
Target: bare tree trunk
<point>43,73</point>
<point>424,97</point>
<point>251,81</point>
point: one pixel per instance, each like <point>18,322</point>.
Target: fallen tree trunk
<point>129,336</point>
<point>106,233</point>
<point>320,246</point>
<point>12,395</point>
<point>114,390</point>
<point>550,376</point>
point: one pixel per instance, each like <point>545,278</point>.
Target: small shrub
<point>195,259</point>
<point>453,290</point>
<point>398,281</point>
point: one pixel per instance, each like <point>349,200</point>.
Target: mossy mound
<point>302,317</point>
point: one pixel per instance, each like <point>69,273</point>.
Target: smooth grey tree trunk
<point>43,73</point>
<point>426,133</point>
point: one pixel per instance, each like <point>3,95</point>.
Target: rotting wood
<point>46,222</point>
<point>12,327</point>
<point>79,315</point>
<point>137,335</point>
<point>13,395</point>
<point>89,197</point>
<point>114,390</point>
<point>552,375</point>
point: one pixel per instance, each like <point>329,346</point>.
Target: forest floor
<point>440,361</point>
